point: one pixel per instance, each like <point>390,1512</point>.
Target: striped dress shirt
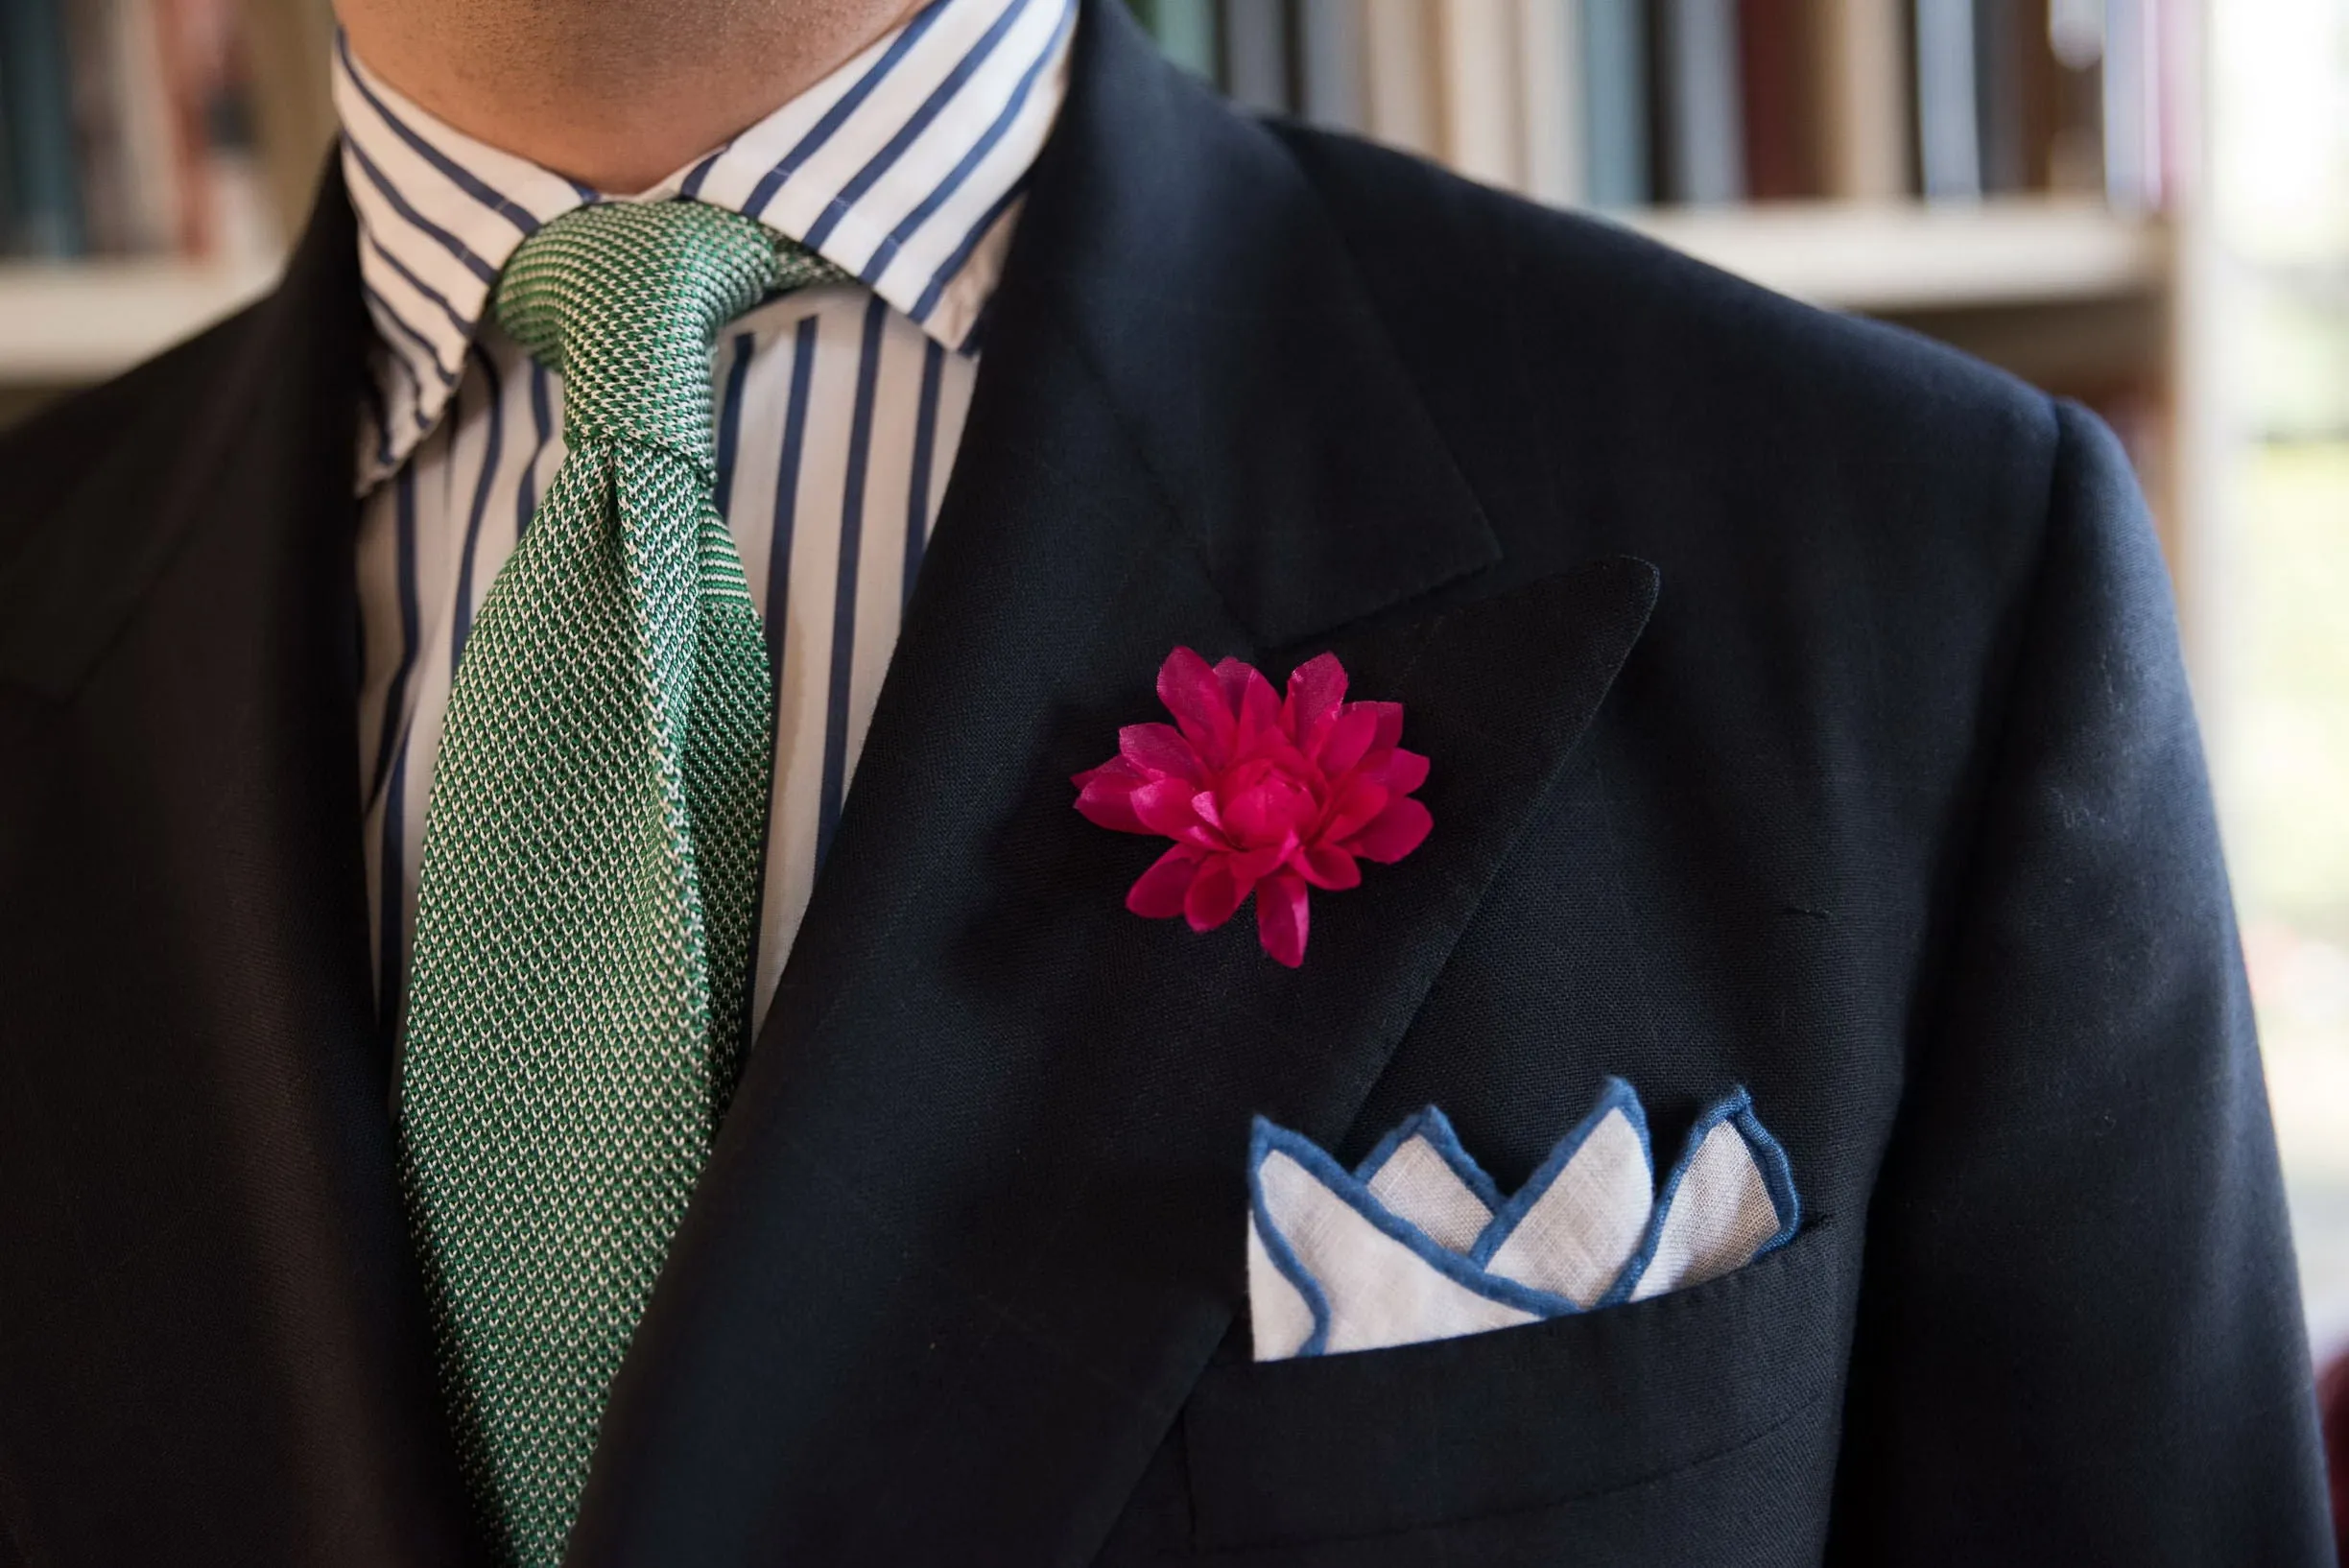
<point>839,409</point>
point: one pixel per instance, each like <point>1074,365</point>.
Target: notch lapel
<point>207,1310</point>
<point>974,1223</point>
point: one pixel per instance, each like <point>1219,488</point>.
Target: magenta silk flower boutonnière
<point>1262,794</point>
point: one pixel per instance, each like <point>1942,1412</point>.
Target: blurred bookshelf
<point>1891,257</point>
<point>70,325</point>
<point>2016,176</point>
<point>153,156</point>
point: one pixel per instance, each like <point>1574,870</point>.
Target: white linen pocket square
<point>1416,1243</point>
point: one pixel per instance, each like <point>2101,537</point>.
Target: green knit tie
<point>578,994</point>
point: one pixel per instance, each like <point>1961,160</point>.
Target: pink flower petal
<point>1164,806</point>
<point>1107,800</point>
<point>1239,681</point>
<point>1282,918</point>
<point>1277,755</point>
<point>1248,865</point>
<point>1244,775</point>
<point>1349,737</point>
<point>1315,688</point>
<point>1394,833</point>
<point>1116,768</point>
<point>1159,750</point>
<point>1188,688</point>
<point>1401,772</point>
<point>1390,716</point>
<point>1327,866</point>
<point>1271,809</point>
<point>1157,894</point>
<point>1213,895</point>
<point>1354,806</point>
<point>1252,702</point>
<point>1204,807</point>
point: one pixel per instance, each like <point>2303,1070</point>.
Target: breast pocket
<point>1739,1378</point>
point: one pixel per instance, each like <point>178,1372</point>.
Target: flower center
<point>1261,805</point>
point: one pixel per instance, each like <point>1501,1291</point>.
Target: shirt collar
<point>903,167</point>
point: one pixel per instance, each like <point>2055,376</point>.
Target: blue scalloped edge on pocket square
<point>1580,1218</point>
<point>1408,1173</point>
<point>1337,1263</point>
<point>1768,1163</point>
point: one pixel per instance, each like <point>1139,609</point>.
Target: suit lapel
<point>973,1225</point>
<point>195,1197</point>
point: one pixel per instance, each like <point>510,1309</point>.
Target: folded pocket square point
<point>1416,1243</point>
<point>1580,1217</point>
<point>1729,1200</point>
<point>1420,1172</point>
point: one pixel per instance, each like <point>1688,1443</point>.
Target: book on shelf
<point>2133,112</point>
<point>1480,119</point>
<point>1256,66</point>
<point>1330,63</point>
<point>1949,126</point>
<point>1623,102</point>
<point>130,132</point>
<point>2073,157</point>
<point>2006,53</point>
<point>1699,109</point>
<point>1398,53</point>
<point>44,184</point>
<point>130,126</point>
<point>1860,80</point>
<point>1186,31</point>
<point>1618,166</point>
<point>1553,161</point>
<point>1776,102</point>
<point>288,42</point>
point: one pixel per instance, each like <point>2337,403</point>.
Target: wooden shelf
<point>1913,257</point>
<point>72,323</point>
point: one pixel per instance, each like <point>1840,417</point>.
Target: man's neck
<point>616,94</point>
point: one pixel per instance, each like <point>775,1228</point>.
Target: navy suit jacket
<point>1806,713</point>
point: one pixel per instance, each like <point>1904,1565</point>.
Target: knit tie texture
<point>577,995</point>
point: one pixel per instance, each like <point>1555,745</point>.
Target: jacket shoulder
<point>107,442</point>
<point>1608,327</point>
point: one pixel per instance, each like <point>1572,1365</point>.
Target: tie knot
<point>626,300</point>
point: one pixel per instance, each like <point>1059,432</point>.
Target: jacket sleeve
<point>2080,1336</point>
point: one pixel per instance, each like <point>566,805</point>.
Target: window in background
<point>2281,128</point>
